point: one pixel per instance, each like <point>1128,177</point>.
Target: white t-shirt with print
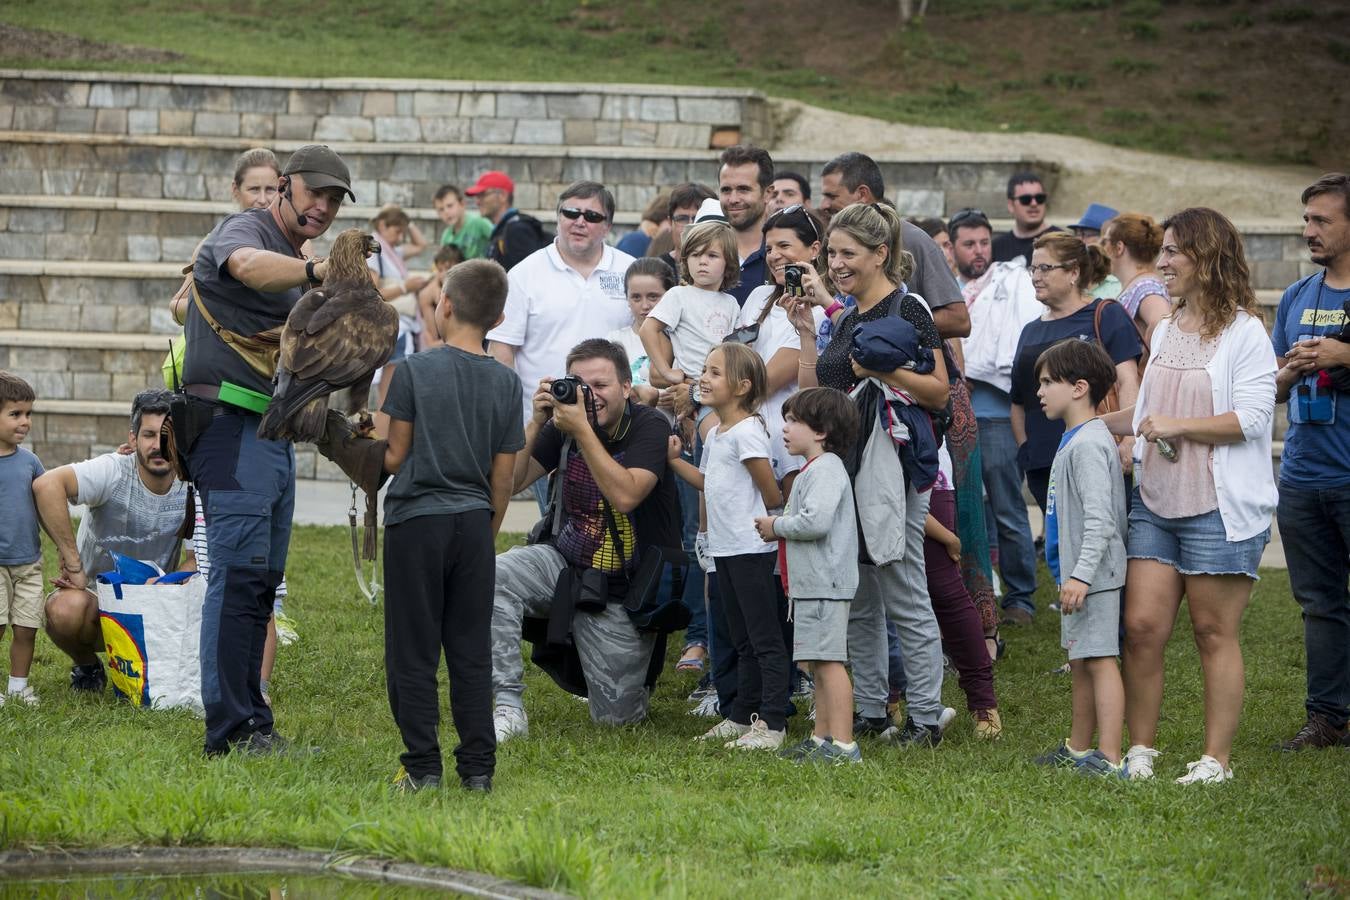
<point>125,516</point>
<point>775,333</point>
<point>697,321</point>
<point>550,309</point>
<point>730,494</point>
<point>638,363</point>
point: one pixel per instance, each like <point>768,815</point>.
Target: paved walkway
<point>327,502</point>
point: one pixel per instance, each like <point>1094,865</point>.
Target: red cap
<point>492,181</point>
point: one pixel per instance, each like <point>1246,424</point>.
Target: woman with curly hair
<point>1205,489</point>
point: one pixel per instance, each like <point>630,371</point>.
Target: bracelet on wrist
<point>832,309</point>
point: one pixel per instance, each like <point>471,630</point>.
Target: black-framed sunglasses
<point>590,215</point>
<point>1028,199</point>
<point>966,216</point>
<point>788,210</point>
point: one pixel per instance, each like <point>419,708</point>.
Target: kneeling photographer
<point>584,590</point>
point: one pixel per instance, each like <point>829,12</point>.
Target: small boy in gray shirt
<point>818,532</point>
<point>1085,550</point>
<point>20,552</point>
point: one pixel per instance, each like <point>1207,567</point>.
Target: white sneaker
<point>758,737</point>
<point>1205,770</point>
<point>946,718</point>
<point>509,722</point>
<point>1139,762</point>
<point>708,707</point>
<point>723,730</point>
<point>287,633</point>
<point>24,696</point>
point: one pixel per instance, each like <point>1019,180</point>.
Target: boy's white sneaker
<point>1205,770</point>
<point>509,722</point>
<point>1139,762</point>
<point>758,737</point>
<point>723,730</point>
<point>945,718</point>
<point>24,696</point>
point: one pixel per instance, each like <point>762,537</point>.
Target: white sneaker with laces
<point>758,737</point>
<point>24,696</point>
<point>723,730</point>
<point>946,718</point>
<point>708,707</point>
<point>509,722</point>
<point>1205,770</point>
<point>1139,762</point>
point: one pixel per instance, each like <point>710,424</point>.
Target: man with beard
<point>743,184</point>
<point>134,506</point>
<point>1000,300</point>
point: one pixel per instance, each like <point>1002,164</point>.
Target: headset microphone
<point>300,218</point>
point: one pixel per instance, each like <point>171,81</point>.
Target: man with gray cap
<point>247,275</point>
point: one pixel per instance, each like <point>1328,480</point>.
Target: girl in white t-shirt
<point>645,283</point>
<point>699,313</point>
<point>738,485</point>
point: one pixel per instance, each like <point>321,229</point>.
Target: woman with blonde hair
<point>1205,492</point>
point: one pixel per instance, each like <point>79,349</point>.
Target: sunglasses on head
<point>788,210</point>
<point>1028,199</point>
<point>967,215</point>
<point>590,215</point>
<point>746,334</point>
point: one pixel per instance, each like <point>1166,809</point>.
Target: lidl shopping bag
<point>153,633</point>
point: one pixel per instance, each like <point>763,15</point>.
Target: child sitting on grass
<point>738,485</point>
<point>1085,551</point>
<point>20,551</point>
<point>454,429</point>
<point>818,529</point>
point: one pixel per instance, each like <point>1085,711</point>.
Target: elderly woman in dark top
<point>866,260</point>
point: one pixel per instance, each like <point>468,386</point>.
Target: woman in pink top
<point>1205,486</point>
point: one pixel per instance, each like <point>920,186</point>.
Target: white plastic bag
<point>153,636</point>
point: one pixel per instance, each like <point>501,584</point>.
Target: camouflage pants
<point>614,655</point>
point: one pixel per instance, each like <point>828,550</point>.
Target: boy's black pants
<point>439,574</point>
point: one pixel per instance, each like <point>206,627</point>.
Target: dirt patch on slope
<point>32,43</point>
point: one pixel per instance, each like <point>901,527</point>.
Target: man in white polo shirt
<point>563,294</point>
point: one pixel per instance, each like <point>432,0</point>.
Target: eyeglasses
<point>682,219</point>
<point>1028,199</point>
<point>590,215</point>
<point>967,215</point>
<point>789,210</point>
<point>1046,267</point>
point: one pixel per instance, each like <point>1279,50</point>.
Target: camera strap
<point>558,475</point>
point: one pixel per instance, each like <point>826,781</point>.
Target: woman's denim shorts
<point>1193,545</point>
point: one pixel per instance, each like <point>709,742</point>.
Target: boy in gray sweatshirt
<point>818,532</point>
<point>1085,550</point>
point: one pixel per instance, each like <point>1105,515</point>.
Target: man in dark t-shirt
<point>247,275</point>
<point>1028,204</point>
<point>615,466</point>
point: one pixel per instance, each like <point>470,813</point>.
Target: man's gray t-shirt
<point>931,279</point>
<point>125,516</point>
<point>465,409</point>
<point>19,545</point>
<point>237,307</point>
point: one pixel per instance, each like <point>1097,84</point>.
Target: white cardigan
<point>1242,379</point>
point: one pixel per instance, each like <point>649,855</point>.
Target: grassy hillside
<point>1259,81</point>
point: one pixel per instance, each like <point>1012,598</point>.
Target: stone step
<point>197,168</point>
<point>383,109</point>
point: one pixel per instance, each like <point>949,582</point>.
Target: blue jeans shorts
<point>1193,545</point>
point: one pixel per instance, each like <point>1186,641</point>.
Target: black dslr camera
<point>567,389</point>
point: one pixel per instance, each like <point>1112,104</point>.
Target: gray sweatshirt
<point>1090,508</point>
<point>821,532</point>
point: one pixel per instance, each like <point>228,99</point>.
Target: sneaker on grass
<point>758,736</point>
<point>945,718</point>
<point>1205,770</point>
<point>708,707</point>
<point>509,722</point>
<point>805,750</point>
<point>1317,733</point>
<point>405,783</point>
<point>25,696</point>
<point>1139,762</point>
<point>833,754</point>
<point>1061,756</point>
<point>915,735</point>
<point>89,678</point>
<point>723,730</point>
<point>803,685</point>
<point>876,726</point>
<point>1095,763</point>
<point>286,630</point>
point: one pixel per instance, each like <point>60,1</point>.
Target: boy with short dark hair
<point>820,542</point>
<point>1085,550</point>
<point>454,430</point>
<point>20,550</point>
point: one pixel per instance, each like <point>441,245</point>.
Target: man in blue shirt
<point>1312,340</point>
<point>743,183</point>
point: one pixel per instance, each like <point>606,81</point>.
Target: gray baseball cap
<point>321,168</point>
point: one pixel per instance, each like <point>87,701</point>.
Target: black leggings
<point>751,603</point>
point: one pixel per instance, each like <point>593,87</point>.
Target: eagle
<point>337,336</point>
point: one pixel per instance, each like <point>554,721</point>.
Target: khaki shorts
<point>21,595</point>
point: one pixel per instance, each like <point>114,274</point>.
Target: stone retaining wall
<point>382,110</point>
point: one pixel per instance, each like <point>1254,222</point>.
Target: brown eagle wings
<point>337,336</point>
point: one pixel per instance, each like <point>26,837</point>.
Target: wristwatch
<point>693,394</point>
<point>309,272</point>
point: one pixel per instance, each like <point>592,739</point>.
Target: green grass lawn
<point>642,811</point>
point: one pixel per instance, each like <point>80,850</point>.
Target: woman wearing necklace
<point>1063,269</point>
<point>1132,241</point>
<point>1201,512</point>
